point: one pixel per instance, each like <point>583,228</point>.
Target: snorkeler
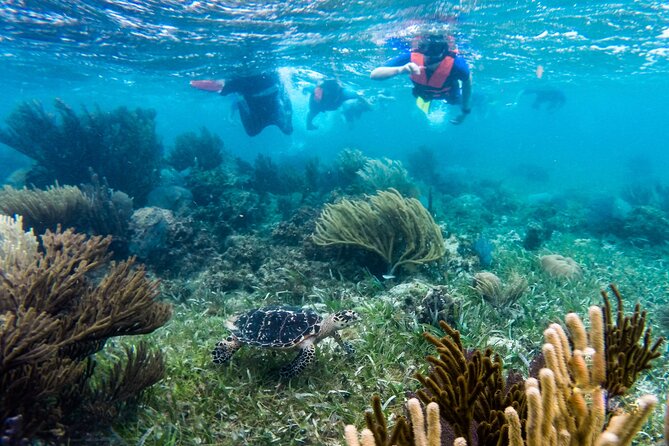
<point>546,98</point>
<point>436,73</point>
<point>329,96</point>
<point>263,100</point>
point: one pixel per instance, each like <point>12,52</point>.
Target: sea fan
<point>561,267</point>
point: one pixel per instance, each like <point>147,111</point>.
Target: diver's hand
<point>458,119</point>
<point>410,68</point>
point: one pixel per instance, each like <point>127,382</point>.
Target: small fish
<point>388,276</point>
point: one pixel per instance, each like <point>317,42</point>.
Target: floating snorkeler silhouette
<point>546,98</point>
<point>263,100</point>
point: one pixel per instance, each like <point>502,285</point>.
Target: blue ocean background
<point>610,59</point>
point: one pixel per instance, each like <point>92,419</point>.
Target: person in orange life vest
<point>436,73</point>
<point>329,96</point>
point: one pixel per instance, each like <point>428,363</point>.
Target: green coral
<point>400,230</point>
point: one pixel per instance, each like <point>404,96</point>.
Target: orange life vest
<point>434,87</point>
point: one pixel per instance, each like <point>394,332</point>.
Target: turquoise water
<point>611,59</point>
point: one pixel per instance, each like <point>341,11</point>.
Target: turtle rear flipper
<point>297,365</point>
<point>224,350</point>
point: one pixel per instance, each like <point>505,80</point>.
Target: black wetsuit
<point>333,96</point>
<point>264,102</point>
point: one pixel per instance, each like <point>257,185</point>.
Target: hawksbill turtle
<point>283,327</point>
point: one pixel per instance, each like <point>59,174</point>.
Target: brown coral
<point>561,267</point>
<point>54,313</point>
<point>625,356</point>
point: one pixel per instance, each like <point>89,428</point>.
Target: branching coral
<point>377,428</point>
<point>425,433</point>
<point>96,208</point>
<point>203,151</point>
<point>385,174</point>
<point>55,311</point>
<point>567,405</point>
<point>18,248</point>
<point>470,389</point>
<point>398,229</point>
<point>490,287</point>
<point>625,357</point>
<point>120,145</point>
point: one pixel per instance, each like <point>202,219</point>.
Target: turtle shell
<point>276,327</point>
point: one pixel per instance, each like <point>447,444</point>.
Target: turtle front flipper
<point>297,365</point>
<point>347,346</point>
<point>224,350</point>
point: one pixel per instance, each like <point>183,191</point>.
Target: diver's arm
<point>466,101</point>
<point>310,120</point>
<point>382,73</point>
<point>467,95</point>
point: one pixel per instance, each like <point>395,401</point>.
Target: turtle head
<point>345,318</point>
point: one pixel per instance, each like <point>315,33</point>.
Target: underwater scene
<point>318,222</point>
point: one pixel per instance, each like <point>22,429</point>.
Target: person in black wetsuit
<point>329,96</point>
<point>263,100</point>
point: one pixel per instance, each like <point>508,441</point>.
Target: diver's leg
<point>283,113</point>
<point>249,119</point>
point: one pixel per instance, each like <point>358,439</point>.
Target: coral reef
<point>490,288</point>
<point>470,389</point>
<point>268,177</point>
<point>45,209</point>
<point>58,307</point>
<point>203,151</point>
<point>384,174</point>
<point>646,226</point>
<point>398,229</point>
<point>535,235</point>
<point>561,267</point>
<point>120,146</point>
<point>625,357</point>
<point>347,165</point>
<point>566,405</point>
<point>483,248</point>
<point>93,208</point>
<point>425,433</point>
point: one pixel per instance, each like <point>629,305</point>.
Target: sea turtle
<point>282,327</point>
